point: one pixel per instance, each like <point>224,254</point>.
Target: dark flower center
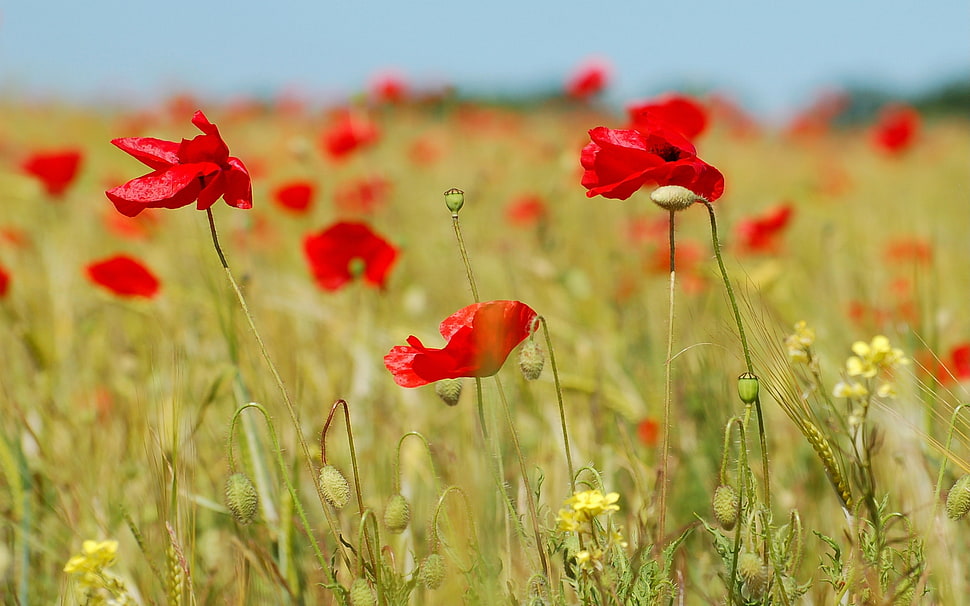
<point>667,151</point>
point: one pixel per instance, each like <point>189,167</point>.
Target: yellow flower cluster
<point>870,359</point>
<point>97,586</point>
<point>584,506</point>
<point>800,343</point>
<point>580,511</point>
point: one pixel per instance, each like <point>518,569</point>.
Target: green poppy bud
<point>241,498</point>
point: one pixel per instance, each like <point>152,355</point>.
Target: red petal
<point>124,276</point>
<point>239,187</point>
<point>172,188</point>
<point>155,153</point>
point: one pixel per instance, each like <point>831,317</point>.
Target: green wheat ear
<point>825,454</point>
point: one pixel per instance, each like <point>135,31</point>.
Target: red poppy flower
<point>345,250</point>
<point>55,169</point>
<point>4,282</point>
<point>480,337</point>
<point>589,80</point>
<point>389,87</point>
<point>678,112</point>
<point>761,233</point>
<point>958,366</point>
<point>648,430</point>
<point>198,169</point>
<point>526,210</point>
<point>296,196</point>
<point>124,276</point>
<point>896,129</point>
<point>349,133</point>
<point>363,195</point>
<point>619,162</point>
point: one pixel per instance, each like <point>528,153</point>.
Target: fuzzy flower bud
<point>334,487</point>
<point>958,499</point>
<point>432,573</point>
<point>726,503</point>
<point>397,514</point>
<point>361,594</point>
<point>454,200</point>
<point>674,197</point>
<point>748,388</point>
<point>531,360</point>
<point>241,498</point>
<point>449,390</point>
<point>754,574</point>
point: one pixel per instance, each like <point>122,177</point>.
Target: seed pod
<point>748,388</point>
<point>397,514</point>
<point>531,360</point>
<point>726,503</point>
<point>432,573</point>
<point>241,498</point>
<point>361,594</point>
<point>449,390</point>
<point>454,199</point>
<point>958,499</point>
<point>334,487</point>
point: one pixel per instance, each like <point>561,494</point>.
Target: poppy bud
<point>748,387</point>
<point>397,514</point>
<point>725,503</point>
<point>531,360</point>
<point>958,500</point>
<point>334,487</point>
<point>754,574</point>
<point>432,573</point>
<point>454,200</point>
<point>449,390</point>
<point>673,197</point>
<point>241,498</point>
<point>361,594</point>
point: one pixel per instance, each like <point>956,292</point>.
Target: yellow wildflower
<point>849,389</point>
<point>799,343</point>
<point>591,503</point>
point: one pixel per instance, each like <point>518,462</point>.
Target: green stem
<point>562,408</point>
<point>665,441</point>
<point>946,447</point>
<point>744,346</point>
<point>290,409</point>
<point>464,257</point>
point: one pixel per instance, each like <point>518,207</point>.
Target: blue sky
<point>770,55</point>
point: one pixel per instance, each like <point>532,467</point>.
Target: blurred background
<point>772,58</point>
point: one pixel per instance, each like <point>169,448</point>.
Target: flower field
<point>430,350</point>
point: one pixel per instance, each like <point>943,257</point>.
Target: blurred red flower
<point>761,234</point>
<point>897,129</point>
<point>588,80</point>
<point>362,196</point>
<point>911,249</point>
<point>198,169</point>
<point>346,250</point>
<point>619,162</point>
<point>4,282</point>
<point>124,276</point>
<point>56,170</point>
<point>349,133</point>
<point>480,337</point>
<point>672,111</point>
<point>957,367</point>
<point>526,210</point>
<point>132,228</point>
<point>648,430</point>
<point>389,87</point>
<point>296,196</point>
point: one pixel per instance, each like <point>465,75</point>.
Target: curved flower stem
<point>665,447</point>
<point>744,346</point>
<point>562,408</point>
<point>294,416</point>
<point>350,441</point>
<point>321,559</point>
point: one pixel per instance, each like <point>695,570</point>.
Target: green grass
<point>116,413</point>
